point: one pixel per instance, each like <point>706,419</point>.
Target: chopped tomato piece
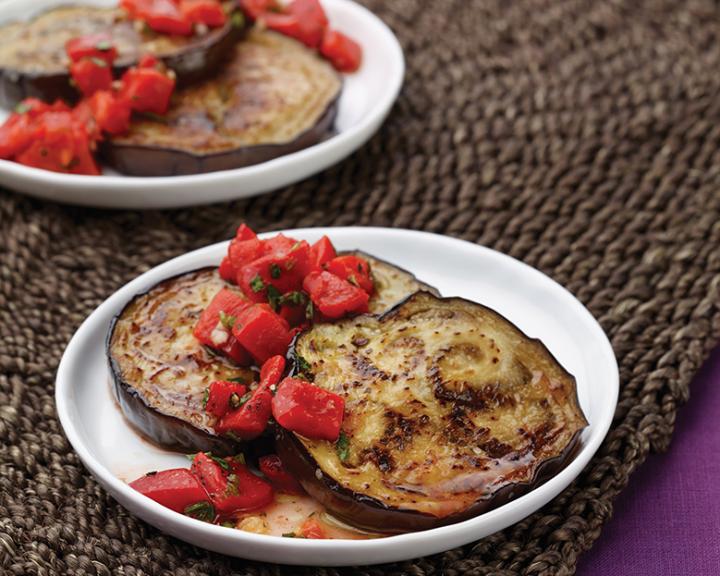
<point>163,16</point>
<point>251,419</point>
<point>262,332</point>
<point>354,269</point>
<point>214,327</point>
<point>148,61</point>
<point>256,8</point>
<point>98,45</point>
<point>307,409</point>
<point>147,90</point>
<point>272,468</point>
<point>343,52</point>
<point>91,75</point>
<point>60,144</point>
<point>322,252</point>
<point>312,528</point>
<point>333,296</point>
<point>111,112</point>
<point>177,489</point>
<point>223,396</point>
<point>208,12</point>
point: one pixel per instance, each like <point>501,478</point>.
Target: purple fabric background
<point>667,521</point>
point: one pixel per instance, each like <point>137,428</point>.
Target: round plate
<point>114,453</point>
<point>365,101</point>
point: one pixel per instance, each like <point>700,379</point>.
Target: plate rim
<point>344,142</point>
<point>161,515</point>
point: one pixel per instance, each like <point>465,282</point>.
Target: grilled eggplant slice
<point>160,371</point>
<point>33,60</point>
<point>450,411</point>
<point>392,283</point>
<point>274,96</point>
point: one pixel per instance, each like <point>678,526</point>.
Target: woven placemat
<point>581,137</point>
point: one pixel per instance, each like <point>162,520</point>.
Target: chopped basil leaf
<point>257,284</point>
<point>342,447</point>
<point>227,524</point>
<point>104,45</point>
<point>227,320</point>
<point>275,270</point>
<point>206,396</point>
<point>237,19</point>
<point>22,108</point>
<point>274,297</point>
<point>309,310</point>
<point>219,461</point>
<point>245,397</point>
<point>201,511</point>
<point>292,535</point>
<point>293,298</point>
<point>238,379</point>
<point>98,62</point>
<point>302,364</point>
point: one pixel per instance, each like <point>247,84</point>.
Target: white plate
<point>365,101</point>
<point>114,453</point>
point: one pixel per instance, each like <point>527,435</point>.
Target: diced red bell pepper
<point>231,490</point>
<point>98,45</point>
<point>262,332</point>
<point>222,395</point>
<point>333,296</point>
<point>176,489</point>
<point>208,12</point>
<point>354,269</point>
<point>91,75</point>
<point>111,112</point>
<point>147,90</point>
<point>60,144</point>
<point>83,114</point>
<point>312,528</point>
<point>251,419</point>
<point>322,252</point>
<point>227,270</point>
<point>16,134</point>
<point>272,468</point>
<point>243,249</point>
<point>285,273</point>
<point>211,331</point>
<point>307,409</point>
<point>342,51</point>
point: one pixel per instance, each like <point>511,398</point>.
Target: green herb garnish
<point>22,108</point>
<point>98,62</point>
<point>302,364</point>
<point>237,19</point>
<point>293,298</point>
<point>257,284</point>
<point>292,535</point>
<point>206,396</point>
<point>104,45</point>
<point>275,270</point>
<point>201,511</point>
<point>238,379</point>
<point>342,447</point>
<point>227,524</point>
<point>227,320</point>
<point>219,461</point>
<point>309,310</point>
<point>274,297</point>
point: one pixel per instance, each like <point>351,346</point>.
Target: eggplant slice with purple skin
<point>33,62</point>
<point>160,371</point>
<point>273,97</point>
<point>450,411</point>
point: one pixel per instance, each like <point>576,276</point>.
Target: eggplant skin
<point>160,372</point>
<point>273,97</point>
<point>450,412</point>
<point>33,61</point>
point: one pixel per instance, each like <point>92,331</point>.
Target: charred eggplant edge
<point>369,513</point>
<point>149,160</point>
<point>169,431</point>
<point>16,85</point>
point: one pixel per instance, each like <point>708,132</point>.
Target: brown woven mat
<point>582,137</point>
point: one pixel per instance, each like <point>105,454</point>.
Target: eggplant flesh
<point>450,410</point>
<point>161,372</point>
<point>274,96</point>
<point>33,62</point>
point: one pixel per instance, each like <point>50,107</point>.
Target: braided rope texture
<point>580,136</point>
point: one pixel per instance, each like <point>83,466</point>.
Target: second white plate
<point>115,454</point>
<point>364,103</point>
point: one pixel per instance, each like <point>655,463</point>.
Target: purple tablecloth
<point>667,521</point>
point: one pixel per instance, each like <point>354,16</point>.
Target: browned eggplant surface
<point>450,411</point>
<point>160,371</point>
<point>33,60</point>
<point>273,97</point>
